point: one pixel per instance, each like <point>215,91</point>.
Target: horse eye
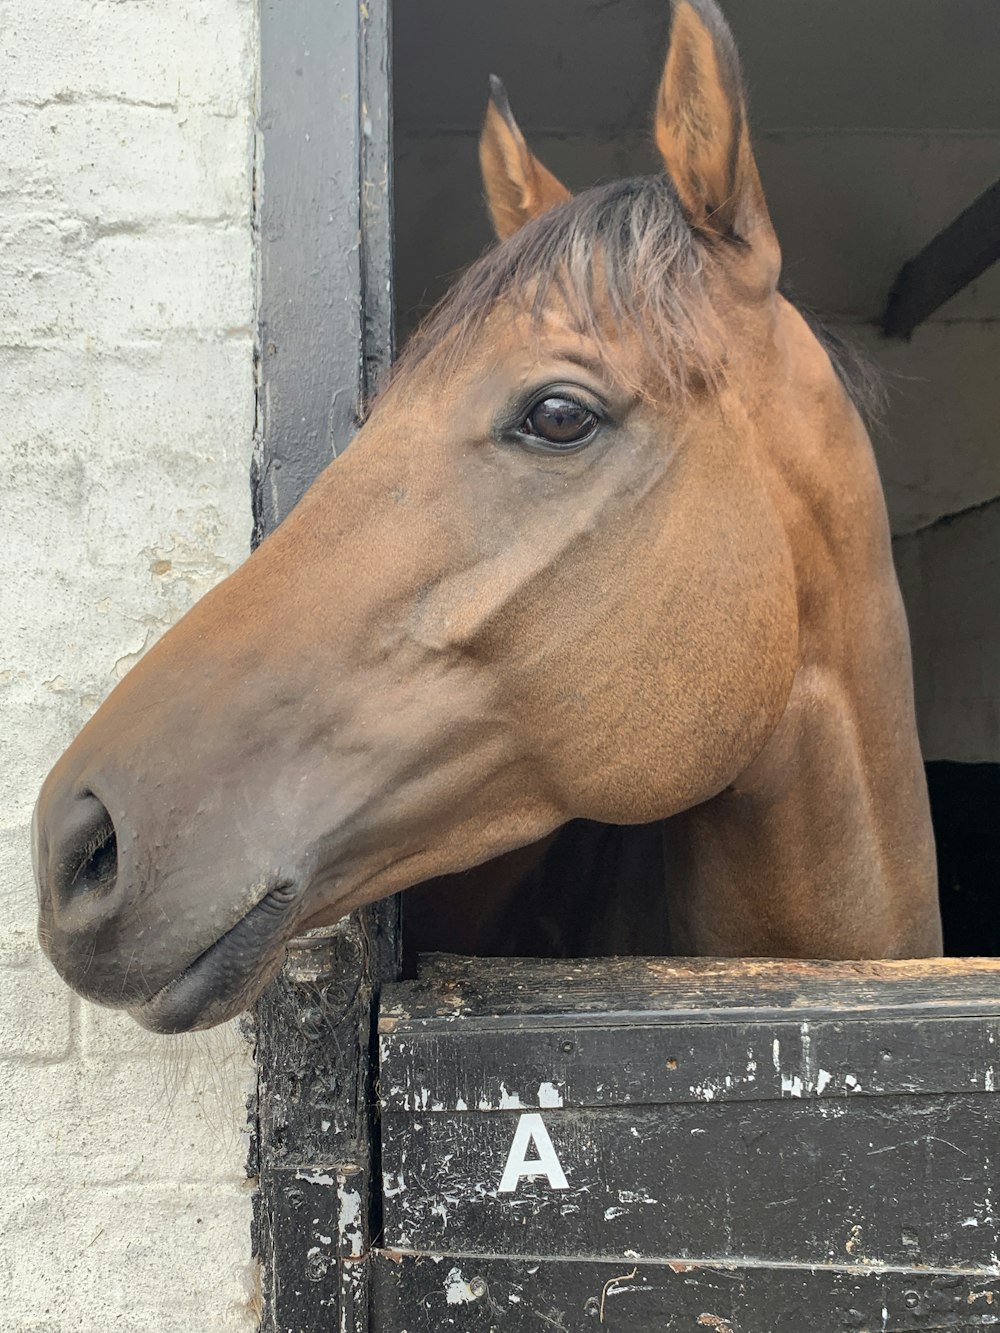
<point>560,421</point>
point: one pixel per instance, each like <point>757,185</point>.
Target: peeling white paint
<point>549,1095</point>
<point>349,1221</point>
<point>509,1101</point>
<point>392,1184</point>
<point>457,1291</point>
<point>315,1177</point>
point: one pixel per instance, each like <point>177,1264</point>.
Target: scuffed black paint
<point>324,339</point>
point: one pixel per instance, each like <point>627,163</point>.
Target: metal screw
<point>567,1048</point>
<point>911,1299</point>
<point>478,1287</point>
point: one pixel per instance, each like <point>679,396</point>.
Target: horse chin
<point>227,977</point>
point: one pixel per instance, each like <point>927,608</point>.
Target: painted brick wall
<point>126,421</point>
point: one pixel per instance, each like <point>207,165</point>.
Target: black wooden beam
<point>955,257</point>
<point>324,222</point>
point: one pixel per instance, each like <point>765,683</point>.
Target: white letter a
<point>531,1130</point>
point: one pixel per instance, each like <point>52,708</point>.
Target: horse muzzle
<point>96,926</point>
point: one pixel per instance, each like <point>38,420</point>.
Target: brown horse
<point>616,551</point>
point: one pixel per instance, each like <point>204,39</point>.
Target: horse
<point>602,592</point>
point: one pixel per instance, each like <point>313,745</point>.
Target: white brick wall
<point>126,418</point>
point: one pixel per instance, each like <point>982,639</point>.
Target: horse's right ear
<point>700,126</point>
<point>517,186</point>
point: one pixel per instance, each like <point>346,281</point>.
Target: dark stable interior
<point>965,804</point>
<point>598,891</point>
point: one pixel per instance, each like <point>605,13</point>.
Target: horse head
<point>588,556</point>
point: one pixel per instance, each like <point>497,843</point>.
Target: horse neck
<point>823,847</point>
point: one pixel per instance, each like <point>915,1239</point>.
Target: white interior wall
<point>876,122</point>
<point>126,377</point>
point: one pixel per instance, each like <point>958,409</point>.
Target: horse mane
<point>626,249</point>
<point>863,381</point>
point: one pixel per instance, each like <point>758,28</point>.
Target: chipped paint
<point>703,1091</point>
<point>456,1290</point>
<point>392,1184</point>
<point>315,1177</point>
<point>791,1086</point>
<point>349,1227</point>
<point>509,1101</point>
<point>549,1095</point>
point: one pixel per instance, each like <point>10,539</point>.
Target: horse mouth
<point>229,975</point>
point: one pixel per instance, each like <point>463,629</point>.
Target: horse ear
<point>700,125</point>
<point>518,187</point>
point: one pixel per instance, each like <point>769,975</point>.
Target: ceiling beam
<point>955,257</point>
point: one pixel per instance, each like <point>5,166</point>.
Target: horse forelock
<point>620,255</point>
<point>623,254</point>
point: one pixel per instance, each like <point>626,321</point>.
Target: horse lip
<point>227,976</point>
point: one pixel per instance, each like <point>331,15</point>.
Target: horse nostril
<point>88,857</point>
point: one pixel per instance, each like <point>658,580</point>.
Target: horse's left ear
<point>701,128</point>
<point>517,186</point>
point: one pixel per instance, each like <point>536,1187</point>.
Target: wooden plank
<point>756,1117</point>
<point>308,213</point>
<point>313,1129</point>
<point>414,1294</point>
<point>958,255</point>
<point>506,993</point>
<point>673,1062</point>
<point>901,1182</point>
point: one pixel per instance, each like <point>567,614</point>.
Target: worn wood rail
<point>751,1146</point>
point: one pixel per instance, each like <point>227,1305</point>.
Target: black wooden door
<point>323,213</point>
